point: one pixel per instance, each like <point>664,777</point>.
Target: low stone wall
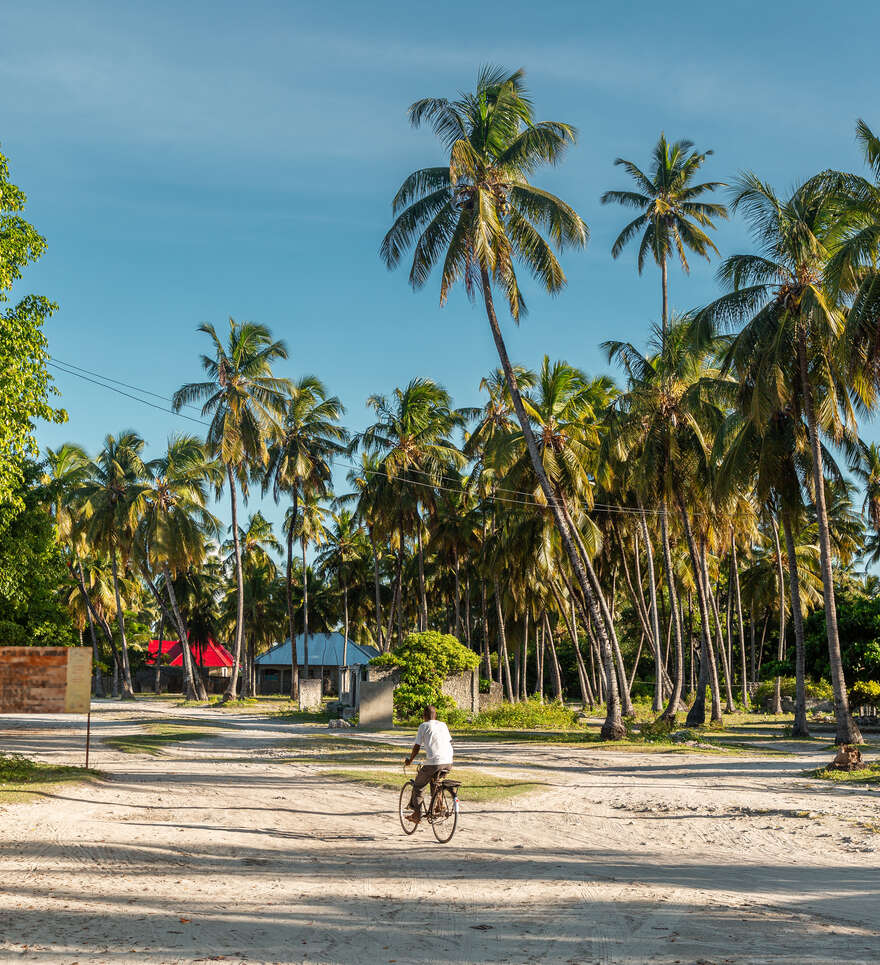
<point>464,689</point>
<point>376,710</point>
<point>310,693</point>
<point>493,698</point>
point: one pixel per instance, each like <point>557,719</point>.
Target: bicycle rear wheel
<point>405,795</point>
<point>444,815</point>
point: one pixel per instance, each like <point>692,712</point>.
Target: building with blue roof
<point>328,657</point>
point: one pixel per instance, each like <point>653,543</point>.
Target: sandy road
<point>229,849</point>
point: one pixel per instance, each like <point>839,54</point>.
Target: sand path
<point>228,849</point>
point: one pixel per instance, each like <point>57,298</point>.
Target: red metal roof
<point>209,655</point>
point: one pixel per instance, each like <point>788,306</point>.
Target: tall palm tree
<point>412,434</point>
<point>479,216</point>
<point>346,545</point>
<point>672,218</point>
<point>66,471</point>
<point>791,340</point>
<point>664,426</point>
<point>309,529</point>
<point>300,460</point>
<point>115,496</point>
<point>244,400</point>
<point>175,526</point>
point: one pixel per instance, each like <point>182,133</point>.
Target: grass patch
<point>153,742</point>
<point>476,786</point>
<point>340,750</point>
<point>869,774</point>
<point>22,779</point>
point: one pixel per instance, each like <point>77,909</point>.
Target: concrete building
<point>329,659</point>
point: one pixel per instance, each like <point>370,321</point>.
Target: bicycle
<point>441,813</point>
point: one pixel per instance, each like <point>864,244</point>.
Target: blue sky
<point>188,162</point>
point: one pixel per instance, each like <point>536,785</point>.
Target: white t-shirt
<point>435,740</point>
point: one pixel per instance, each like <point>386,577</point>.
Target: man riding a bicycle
<point>433,735</point>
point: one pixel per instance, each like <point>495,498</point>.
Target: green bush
<point>531,714</point>
<point>865,692</point>
<point>425,660</point>
<point>816,689</point>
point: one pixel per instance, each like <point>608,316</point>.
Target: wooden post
<point>88,734</point>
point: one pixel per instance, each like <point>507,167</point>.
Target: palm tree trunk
<point>157,677</point>
<point>102,623</point>
<point>305,611</point>
<point>714,684</point>
<point>345,624</point>
<point>487,660</point>
<point>231,690</point>
<point>127,690</point>
<point>739,613</point>
<point>697,714</point>
<point>379,621</point>
<point>97,679</point>
<point>503,662</point>
<point>655,624</point>
<point>525,656</point>
<point>847,731</point>
<point>664,283</point>
<point>539,662</point>
<point>423,597</point>
<point>193,682</point>
<point>554,660</point>
<point>571,623</point>
<point>780,651</point>
<point>799,728</point>
<point>626,707</point>
<point>612,728</point>
<point>719,639</point>
<point>672,704</point>
<point>294,666</point>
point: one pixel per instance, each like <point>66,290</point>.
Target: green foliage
<point>865,692</point>
<point>25,385</point>
<point>531,714</point>
<point>32,570</point>
<point>425,660</point>
<point>858,624</point>
<point>815,689</point>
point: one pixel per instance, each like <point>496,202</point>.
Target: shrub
<point>816,689</point>
<point>531,714</point>
<point>425,660</point>
<point>865,692</point>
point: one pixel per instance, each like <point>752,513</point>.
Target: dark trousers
<point>426,773</point>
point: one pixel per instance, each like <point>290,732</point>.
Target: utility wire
<point>433,483</point>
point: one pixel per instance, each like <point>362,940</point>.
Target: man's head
<point>430,713</point>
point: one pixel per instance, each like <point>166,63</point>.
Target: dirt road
<point>229,849</point>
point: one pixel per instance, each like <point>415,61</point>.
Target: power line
<point>128,395</point>
<point>434,483</point>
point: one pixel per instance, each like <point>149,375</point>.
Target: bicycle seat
<point>450,784</point>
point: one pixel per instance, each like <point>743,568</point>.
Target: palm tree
<point>664,426</point>
<point>791,341</point>
<point>672,219</point>
<point>346,544</point>
<point>66,471</point>
<point>300,460</point>
<point>309,529</point>
<point>244,401</point>
<point>175,526</point>
<point>412,436</point>
<point>258,543</point>
<point>479,215</point>
<point>115,496</point>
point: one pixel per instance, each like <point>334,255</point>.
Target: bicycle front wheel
<point>444,815</point>
<point>405,795</point>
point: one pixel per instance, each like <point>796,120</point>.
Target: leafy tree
<point>33,572</point>
<point>425,660</point>
<point>25,385</point>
